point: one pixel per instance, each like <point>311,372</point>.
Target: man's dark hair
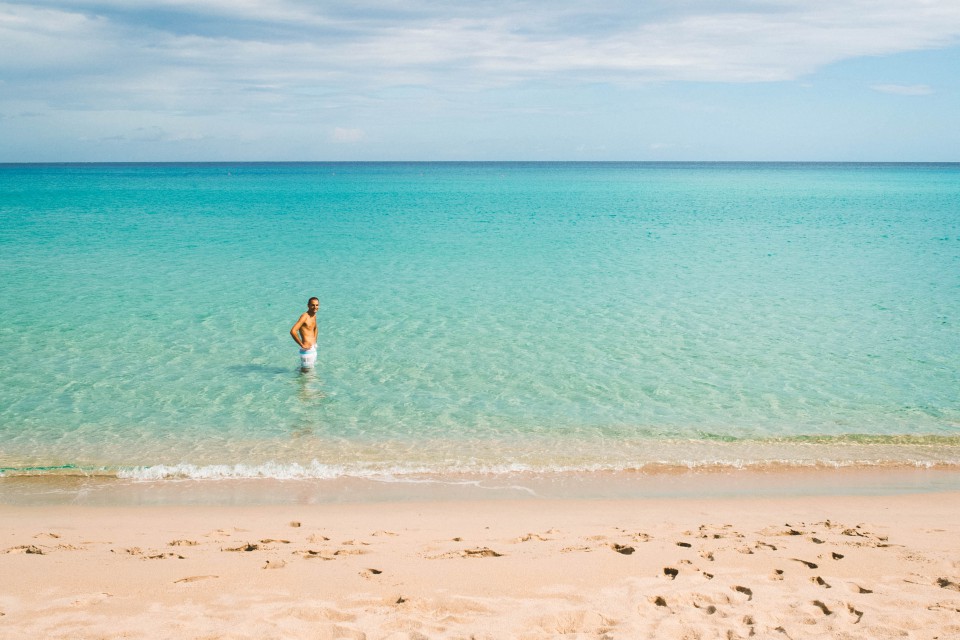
<point>312,299</point>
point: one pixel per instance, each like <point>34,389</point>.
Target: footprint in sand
<point>777,531</point>
<point>244,547</point>
<point>744,590</point>
<point>706,531</point>
<point>91,599</point>
<point>369,573</point>
<point>708,609</point>
<point>480,552</point>
<point>824,608</point>
<point>26,548</point>
<point>350,552</point>
<point>194,579</point>
<point>531,536</point>
<point>354,543</point>
<point>855,613</point>
<point>819,581</point>
<point>810,565</point>
<point>858,589</point>
<point>621,548</point>
<point>182,543</point>
<point>54,536</point>
<point>571,549</point>
<point>943,583</point>
<point>670,572</point>
<point>275,564</point>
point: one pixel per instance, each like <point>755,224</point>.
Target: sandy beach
<point>771,567</point>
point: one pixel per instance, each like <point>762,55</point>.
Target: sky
<point>292,80</point>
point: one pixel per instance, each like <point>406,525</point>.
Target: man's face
<point>313,306</point>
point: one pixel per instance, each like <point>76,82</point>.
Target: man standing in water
<point>304,333</point>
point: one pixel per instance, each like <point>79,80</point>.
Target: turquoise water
<point>477,317</point>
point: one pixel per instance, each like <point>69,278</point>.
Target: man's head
<point>313,304</point>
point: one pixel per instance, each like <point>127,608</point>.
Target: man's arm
<point>295,330</point>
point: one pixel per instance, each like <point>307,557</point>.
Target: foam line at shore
<point>316,470</point>
<point>705,482</point>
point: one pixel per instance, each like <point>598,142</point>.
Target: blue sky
<point>167,80</point>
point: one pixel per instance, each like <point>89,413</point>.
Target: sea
<point>491,320</point>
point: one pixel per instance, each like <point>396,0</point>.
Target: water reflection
<point>310,386</point>
<point>308,415</point>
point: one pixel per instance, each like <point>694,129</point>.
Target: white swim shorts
<point>308,357</point>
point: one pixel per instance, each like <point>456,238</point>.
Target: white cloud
<point>291,44</point>
<point>257,70</point>
<point>344,135</point>
<point>37,38</point>
<point>904,89</point>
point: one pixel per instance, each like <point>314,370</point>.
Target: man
<point>304,333</point>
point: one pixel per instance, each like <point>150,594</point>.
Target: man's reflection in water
<point>310,386</point>
<point>312,396</point>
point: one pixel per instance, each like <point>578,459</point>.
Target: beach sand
<point>780,567</point>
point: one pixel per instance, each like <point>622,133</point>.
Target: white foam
<point>423,473</point>
<point>280,471</point>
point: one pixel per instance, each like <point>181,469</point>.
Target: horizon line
<point>252,162</point>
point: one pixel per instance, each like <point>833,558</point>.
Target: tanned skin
<point>304,332</point>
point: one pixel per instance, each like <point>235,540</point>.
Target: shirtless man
<point>304,333</point>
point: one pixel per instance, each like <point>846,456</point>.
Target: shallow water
<point>477,317</point>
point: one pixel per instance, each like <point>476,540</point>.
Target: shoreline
<point>108,490</point>
<point>762,566</point>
